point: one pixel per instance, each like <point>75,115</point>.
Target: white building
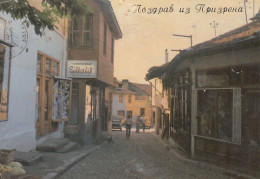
<point>26,114</point>
<point>119,102</point>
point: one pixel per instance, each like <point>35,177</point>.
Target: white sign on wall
<point>82,68</point>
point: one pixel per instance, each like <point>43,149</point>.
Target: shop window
<point>4,67</point>
<point>54,68</point>
<point>215,113</point>
<point>81,35</point>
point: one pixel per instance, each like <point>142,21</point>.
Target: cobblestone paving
<point>140,156</point>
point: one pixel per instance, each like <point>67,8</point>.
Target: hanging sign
<point>82,68</point>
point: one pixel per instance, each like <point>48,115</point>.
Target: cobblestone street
<point>141,156</point>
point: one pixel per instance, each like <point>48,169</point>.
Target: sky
<point>148,25</point>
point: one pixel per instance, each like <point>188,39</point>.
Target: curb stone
<point>201,163</point>
<point>68,164</point>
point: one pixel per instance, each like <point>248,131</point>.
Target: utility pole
<point>214,25</point>
<point>253,8</point>
<point>195,37</point>
<point>245,10</point>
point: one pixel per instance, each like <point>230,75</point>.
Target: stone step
<point>68,147</point>
<point>52,144</point>
<point>27,158</point>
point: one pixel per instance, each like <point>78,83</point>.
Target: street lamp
<point>214,25</point>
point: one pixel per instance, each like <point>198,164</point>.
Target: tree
<point>21,9</point>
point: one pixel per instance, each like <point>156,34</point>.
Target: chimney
<point>125,84</point>
<point>166,56</point>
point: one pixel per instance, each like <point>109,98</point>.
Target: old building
<point>91,66</point>
<point>28,74</point>
<point>215,95</point>
<point>132,99</point>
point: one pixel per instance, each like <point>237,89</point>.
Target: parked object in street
<point>116,123</point>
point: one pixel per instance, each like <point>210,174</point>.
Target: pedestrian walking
<point>138,123</point>
<point>143,119</point>
<point>128,125</point>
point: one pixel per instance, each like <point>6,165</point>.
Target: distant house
<point>132,99</point>
<point>215,95</point>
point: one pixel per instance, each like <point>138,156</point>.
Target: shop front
<point>228,111</point>
<point>89,109</point>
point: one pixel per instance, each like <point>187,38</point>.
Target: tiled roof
<point>111,18</point>
<point>145,87</point>
<point>248,31</point>
<point>235,35</point>
<point>123,91</point>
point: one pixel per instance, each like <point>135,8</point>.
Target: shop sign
<point>82,68</point>
<point>212,80</point>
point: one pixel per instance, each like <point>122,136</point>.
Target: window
<point>105,40</point>
<point>120,98</point>
<point>215,113</point>
<point>47,67</point>
<point>142,112</point>
<point>112,50</point>
<point>121,113</point>
<point>81,35</point>
<point>129,98</point>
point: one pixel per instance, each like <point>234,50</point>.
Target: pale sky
<point>146,36</point>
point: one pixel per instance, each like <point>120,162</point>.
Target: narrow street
<point>141,156</point>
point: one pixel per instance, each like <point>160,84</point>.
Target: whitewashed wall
<point>116,106</point>
<point>19,131</point>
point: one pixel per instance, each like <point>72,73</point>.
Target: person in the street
<point>138,123</point>
<point>143,123</point>
<point>128,124</point>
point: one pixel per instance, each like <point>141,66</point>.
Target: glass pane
<point>215,109</point>
<point>54,68</point>
<point>39,63</point>
<point>77,24</point>
<point>87,39</point>
<point>88,23</point>
<point>77,39</point>
<point>48,66</point>
<point>46,97</point>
